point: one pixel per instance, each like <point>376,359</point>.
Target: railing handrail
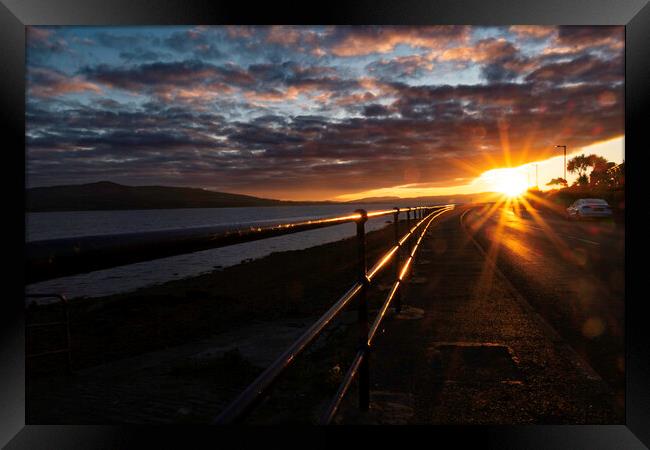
<point>54,258</point>
<point>250,397</point>
<point>362,353</point>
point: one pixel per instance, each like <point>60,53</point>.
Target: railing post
<point>398,296</point>
<point>362,312</point>
<point>408,226</point>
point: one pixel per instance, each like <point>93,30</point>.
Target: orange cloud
<point>485,50</point>
<point>52,84</point>
<point>236,31</point>
<point>355,99</point>
<point>291,93</point>
<point>207,92</point>
<point>533,31</point>
<point>385,40</point>
<point>283,35</point>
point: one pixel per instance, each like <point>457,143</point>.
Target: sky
<point>316,113</point>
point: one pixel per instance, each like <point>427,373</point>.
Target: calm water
<point>52,225</point>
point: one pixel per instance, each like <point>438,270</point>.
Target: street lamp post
<point>564,148</point>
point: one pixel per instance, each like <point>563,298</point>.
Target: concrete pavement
<point>470,350</point>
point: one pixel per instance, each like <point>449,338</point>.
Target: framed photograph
<point>412,215</point>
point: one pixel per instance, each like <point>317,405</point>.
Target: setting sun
<point>510,182</point>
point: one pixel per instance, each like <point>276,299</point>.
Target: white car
<point>588,208</point>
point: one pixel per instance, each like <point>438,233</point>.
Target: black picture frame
<point>16,14</point>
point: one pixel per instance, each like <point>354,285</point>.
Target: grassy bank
<point>302,283</point>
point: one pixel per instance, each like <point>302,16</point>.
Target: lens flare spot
<point>607,98</point>
<point>593,327</point>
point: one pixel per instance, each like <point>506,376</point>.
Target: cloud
<point>574,40</point>
<point>376,110</point>
<point>44,82</point>
<point>171,80</point>
<point>500,58</point>
<point>138,54</point>
<point>283,35</point>
<point>195,79</point>
<point>401,67</point>
<point>484,50</point>
<point>43,43</point>
<point>356,41</point>
<point>584,69</point>
<point>431,128</point>
<point>373,107</point>
<point>534,32</point>
<point>120,41</point>
<point>194,42</point>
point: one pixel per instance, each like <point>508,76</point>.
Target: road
<point>572,273</point>
<point>471,347</point>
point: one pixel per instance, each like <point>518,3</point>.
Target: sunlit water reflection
<point>133,276</point>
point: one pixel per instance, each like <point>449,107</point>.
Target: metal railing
<point>53,258</point>
<point>56,258</point>
<point>253,394</point>
<point>65,323</point>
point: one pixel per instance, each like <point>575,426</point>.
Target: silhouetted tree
<point>600,175</point>
<point>557,182</point>
<point>617,175</point>
<point>579,164</point>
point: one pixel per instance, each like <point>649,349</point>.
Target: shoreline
<point>286,284</point>
<point>127,278</point>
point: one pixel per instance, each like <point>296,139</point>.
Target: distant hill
<point>105,195</point>
<point>375,200</point>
